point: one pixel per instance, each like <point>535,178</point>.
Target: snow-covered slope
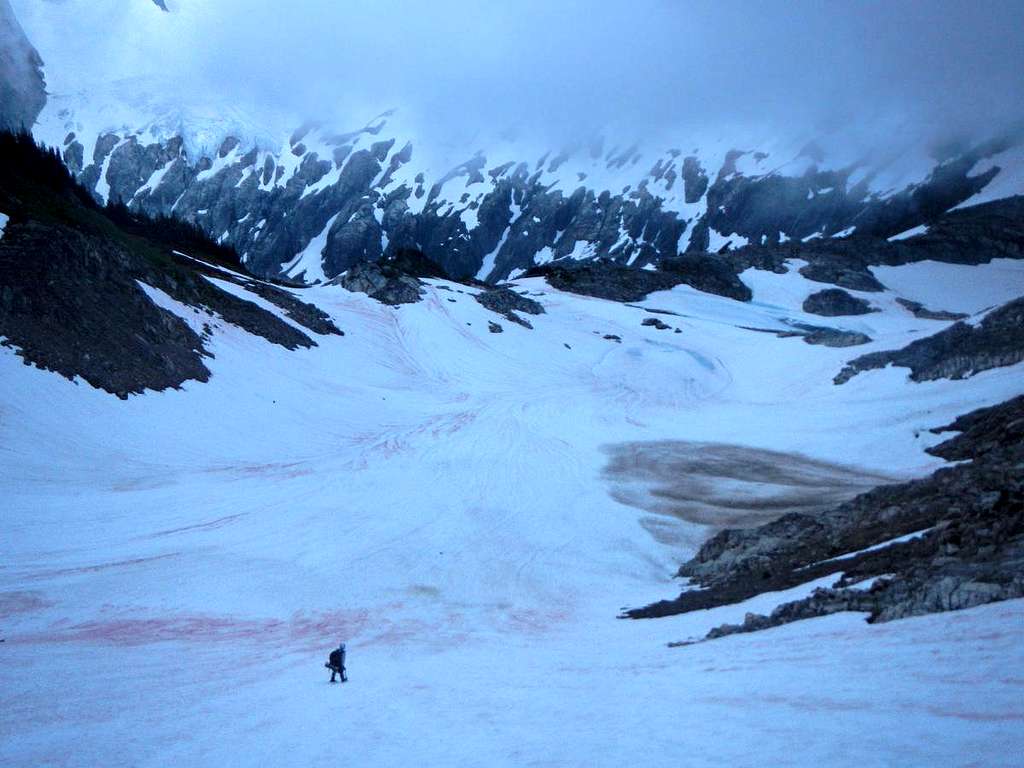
<point>177,565</point>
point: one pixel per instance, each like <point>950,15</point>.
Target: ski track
<point>176,566</point>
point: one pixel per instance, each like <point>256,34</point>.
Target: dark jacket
<point>337,658</point>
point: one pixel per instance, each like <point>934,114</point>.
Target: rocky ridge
<point>957,352</point>
<point>508,303</point>
<point>327,201</point>
<point>80,286</point>
<point>949,541</point>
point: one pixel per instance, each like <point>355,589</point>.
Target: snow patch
<point>920,229</point>
<point>309,262</point>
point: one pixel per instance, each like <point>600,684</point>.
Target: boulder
<point>383,283</point>
<point>835,302</point>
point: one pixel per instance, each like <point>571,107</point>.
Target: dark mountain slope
<point>70,275</point>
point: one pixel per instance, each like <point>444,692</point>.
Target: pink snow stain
<point>275,470</point>
<point>979,717</point>
<point>529,621</point>
<point>300,631</point>
<point>101,566</point>
<point>402,633</point>
<point>21,602</point>
<point>220,522</point>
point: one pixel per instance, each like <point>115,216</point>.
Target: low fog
<point>560,70</point>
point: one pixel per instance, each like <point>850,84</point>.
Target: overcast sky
<point>563,67</point>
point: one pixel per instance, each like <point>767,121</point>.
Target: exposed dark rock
<point>605,280</point>
<point>653,311</point>
<point>70,304</point>
<point>816,334</point>
<point>695,180</point>
<point>834,337</point>
<point>973,235</point>
<point>654,322</point>
<point>612,337</point>
<point>71,299</point>
<point>968,564</point>
<point>985,432</point>
<point>854,277</point>
<point>824,202</point>
<point>494,327</point>
<point>308,315</point>
<point>608,280</point>
<point>920,311</point>
<point>411,261</point>
<point>967,548</point>
<point>835,302</point>
<point>507,302</point>
<point>383,283</point>
<point>957,352</point>
<point>708,273</point>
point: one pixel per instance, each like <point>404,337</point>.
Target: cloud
<point>564,68</point>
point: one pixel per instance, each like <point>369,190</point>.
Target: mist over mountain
<point>556,71</point>
<point>21,83</point>
<point>499,138</point>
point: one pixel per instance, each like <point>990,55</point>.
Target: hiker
<point>336,663</point>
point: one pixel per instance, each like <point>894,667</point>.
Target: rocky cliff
<point>326,201</point>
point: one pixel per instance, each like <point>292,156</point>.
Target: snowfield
<point>174,568</point>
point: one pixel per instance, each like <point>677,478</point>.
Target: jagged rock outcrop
<point>708,273</point>
<point>653,322</point>
<point>307,315</point>
<point>920,311</point>
<point>605,280</point>
<point>819,335</point>
<point>507,302</point>
<point>959,351</point>
<point>834,337</point>
<point>414,263</point>
<point>974,235</point>
<point>827,269</point>
<point>835,302</point>
<point>609,280</point>
<point>382,282</point>
<point>949,541</point>
<point>343,199</point>
<point>827,203</point>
